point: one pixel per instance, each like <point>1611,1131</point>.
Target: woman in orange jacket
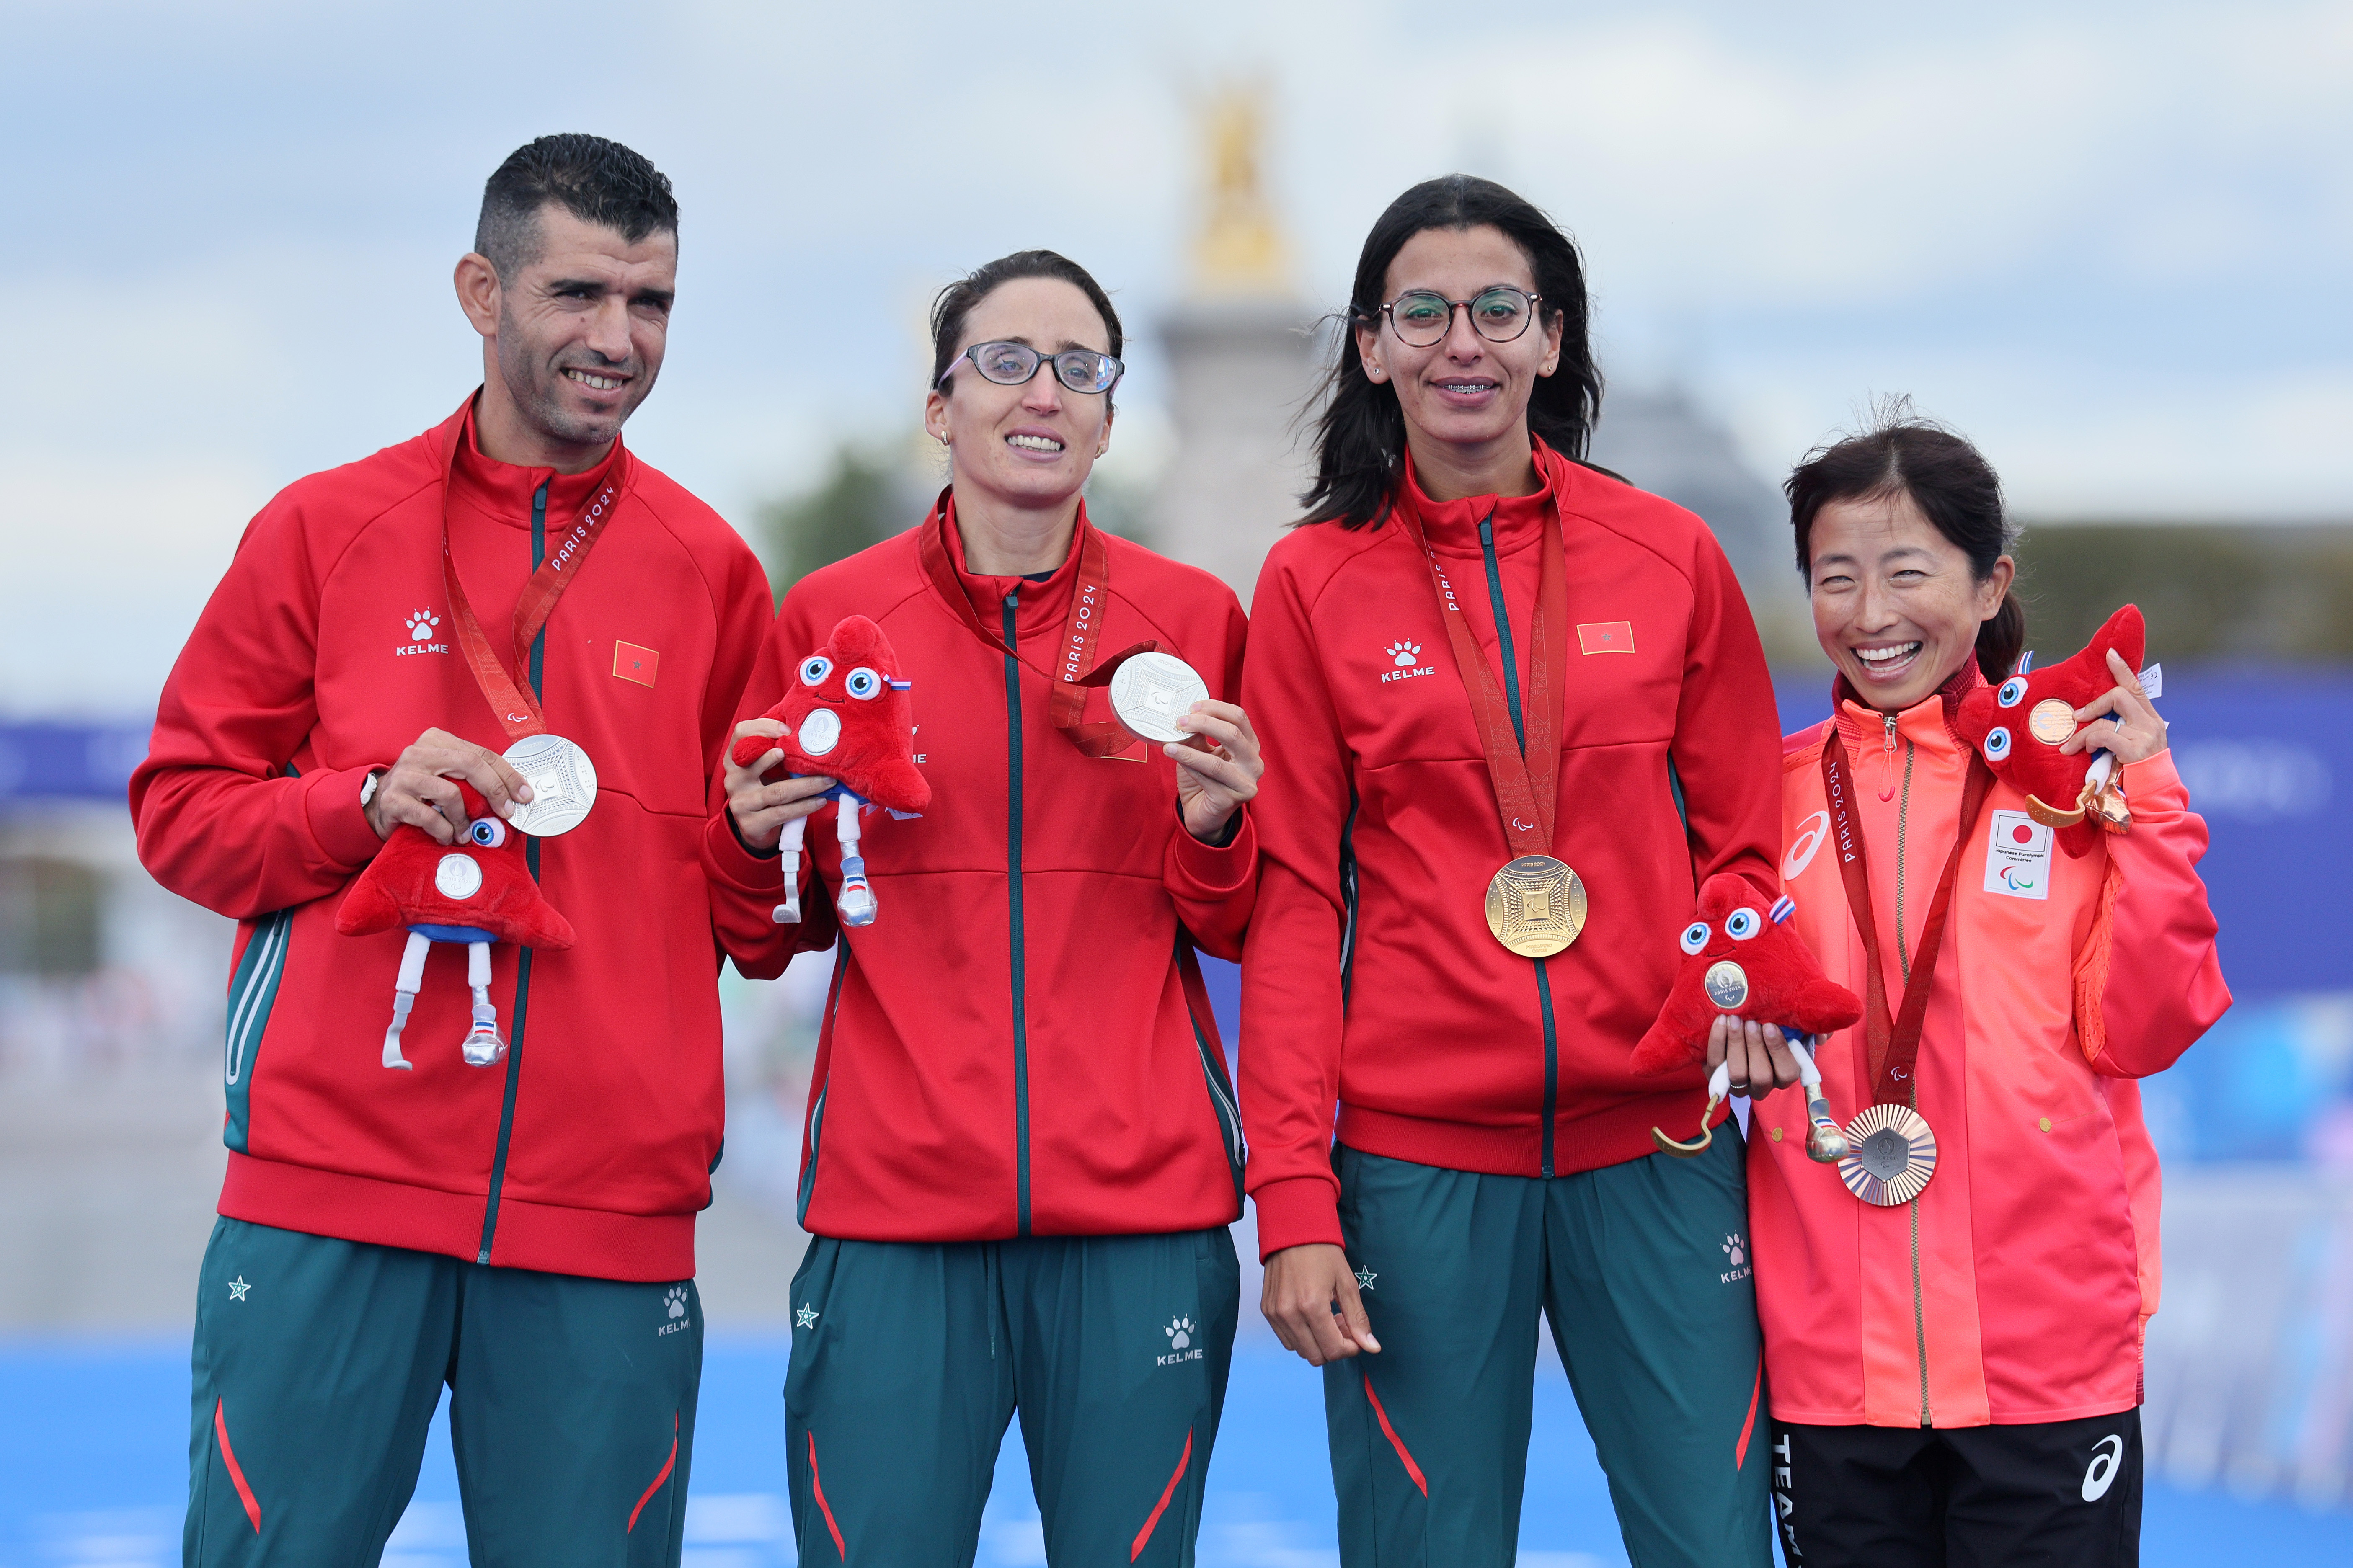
<point>1955,1368</point>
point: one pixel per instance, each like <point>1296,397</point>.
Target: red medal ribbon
<point>1894,1045</point>
<point>512,700</point>
<point>1075,668</point>
<point>1526,784</point>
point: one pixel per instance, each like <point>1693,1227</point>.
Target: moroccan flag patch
<point>631,662</point>
<point>1606,637</point>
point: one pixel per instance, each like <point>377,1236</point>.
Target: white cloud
<point>2110,240</point>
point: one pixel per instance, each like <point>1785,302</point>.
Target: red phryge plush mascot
<point>1741,960</point>
<point>846,717</point>
<point>2019,725</point>
<point>478,890</point>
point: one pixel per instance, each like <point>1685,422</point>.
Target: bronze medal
<point>1892,1155</point>
<point>1535,906</point>
<point>2051,721</point>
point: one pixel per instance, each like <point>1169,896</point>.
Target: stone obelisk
<point>1241,357</point>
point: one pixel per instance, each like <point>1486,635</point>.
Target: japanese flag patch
<point>2017,857</point>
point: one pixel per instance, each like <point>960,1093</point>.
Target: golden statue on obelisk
<point>1240,249</point>
<point>1240,351</point>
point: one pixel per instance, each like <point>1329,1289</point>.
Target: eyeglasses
<point>1422,317</point>
<point>1012,364</point>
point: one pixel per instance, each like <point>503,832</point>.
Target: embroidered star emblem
<point>238,1288</point>
<point>805,1318</point>
<point>1365,1278</point>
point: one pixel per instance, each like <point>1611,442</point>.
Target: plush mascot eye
<point>1742,924</point>
<point>815,668</point>
<point>487,831</point>
<point>2012,691</point>
<point>1996,743</point>
<point>864,684</point>
<point>1695,936</point>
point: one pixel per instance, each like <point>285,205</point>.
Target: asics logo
<point>2107,1456</point>
<point>1801,849</point>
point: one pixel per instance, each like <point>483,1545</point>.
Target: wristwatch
<point>367,786</point>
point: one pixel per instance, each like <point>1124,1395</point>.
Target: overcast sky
<point>2109,241</point>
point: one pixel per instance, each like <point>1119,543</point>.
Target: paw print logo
<point>1735,1249</point>
<point>676,1300</point>
<point>1179,1333</point>
<point>1403,653</point>
<point>421,625</point>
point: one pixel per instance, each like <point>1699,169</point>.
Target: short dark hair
<point>956,303</point>
<point>1360,434</point>
<point>1947,478</point>
<point>594,180</point>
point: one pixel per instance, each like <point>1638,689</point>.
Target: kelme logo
<point>420,625</point>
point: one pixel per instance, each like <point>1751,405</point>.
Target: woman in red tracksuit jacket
<point>1955,1372</point>
<point>1503,693</point>
<point>1021,1153</point>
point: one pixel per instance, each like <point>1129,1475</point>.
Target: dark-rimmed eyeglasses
<point>1422,317</point>
<point>1012,364</point>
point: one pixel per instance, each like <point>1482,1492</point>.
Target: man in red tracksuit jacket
<point>524,1231</point>
<point>1022,1152</point>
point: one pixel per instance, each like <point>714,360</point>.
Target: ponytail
<point>2001,638</point>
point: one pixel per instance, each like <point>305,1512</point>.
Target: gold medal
<point>2051,721</point>
<point>1535,906</point>
<point>1892,1155</point>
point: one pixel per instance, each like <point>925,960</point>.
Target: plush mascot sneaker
<point>1742,960</point>
<point>477,891</point>
<point>2018,726</point>
<point>847,718</point>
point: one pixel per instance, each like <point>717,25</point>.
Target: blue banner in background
<point>69,762</point>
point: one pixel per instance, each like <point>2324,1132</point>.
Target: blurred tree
<point>864,500</point>
<point>52,916</point>
<point>2209,591</point>
<point>1118,505</point>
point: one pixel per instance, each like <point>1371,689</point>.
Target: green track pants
<point>909,1358</point>
<point>1642,1269</point>
<point>318,1366</point>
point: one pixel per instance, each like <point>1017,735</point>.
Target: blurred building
<point>1241,354</point>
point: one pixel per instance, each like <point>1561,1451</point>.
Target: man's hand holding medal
<point>419,788</point>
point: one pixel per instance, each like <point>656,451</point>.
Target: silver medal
<point>1150,691</point>
<point>563,785</point>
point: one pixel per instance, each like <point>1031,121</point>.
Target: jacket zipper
<point>1013,895</point>
<point>1903,962</point>
<point>1520,733</point>
<point>523,961</point>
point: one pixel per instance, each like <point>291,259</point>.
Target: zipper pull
<point>1887,753</point>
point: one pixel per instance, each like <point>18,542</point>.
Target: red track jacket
<point>325,651</point>
<point>2017,1287</point>
<point>1019,1044</point>
<point>1372,979</point>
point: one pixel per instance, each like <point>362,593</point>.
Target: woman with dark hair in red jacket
<point>1955,1349</point>
<point>1021,1154</point>
<point>1517,712</point>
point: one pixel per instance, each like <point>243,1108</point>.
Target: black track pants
<point>2062,1493</point>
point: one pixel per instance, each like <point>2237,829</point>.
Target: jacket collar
<point>1453,526</point>
<point>1931,723</point>
<point>1042,603</point>
<point>502,491</point>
